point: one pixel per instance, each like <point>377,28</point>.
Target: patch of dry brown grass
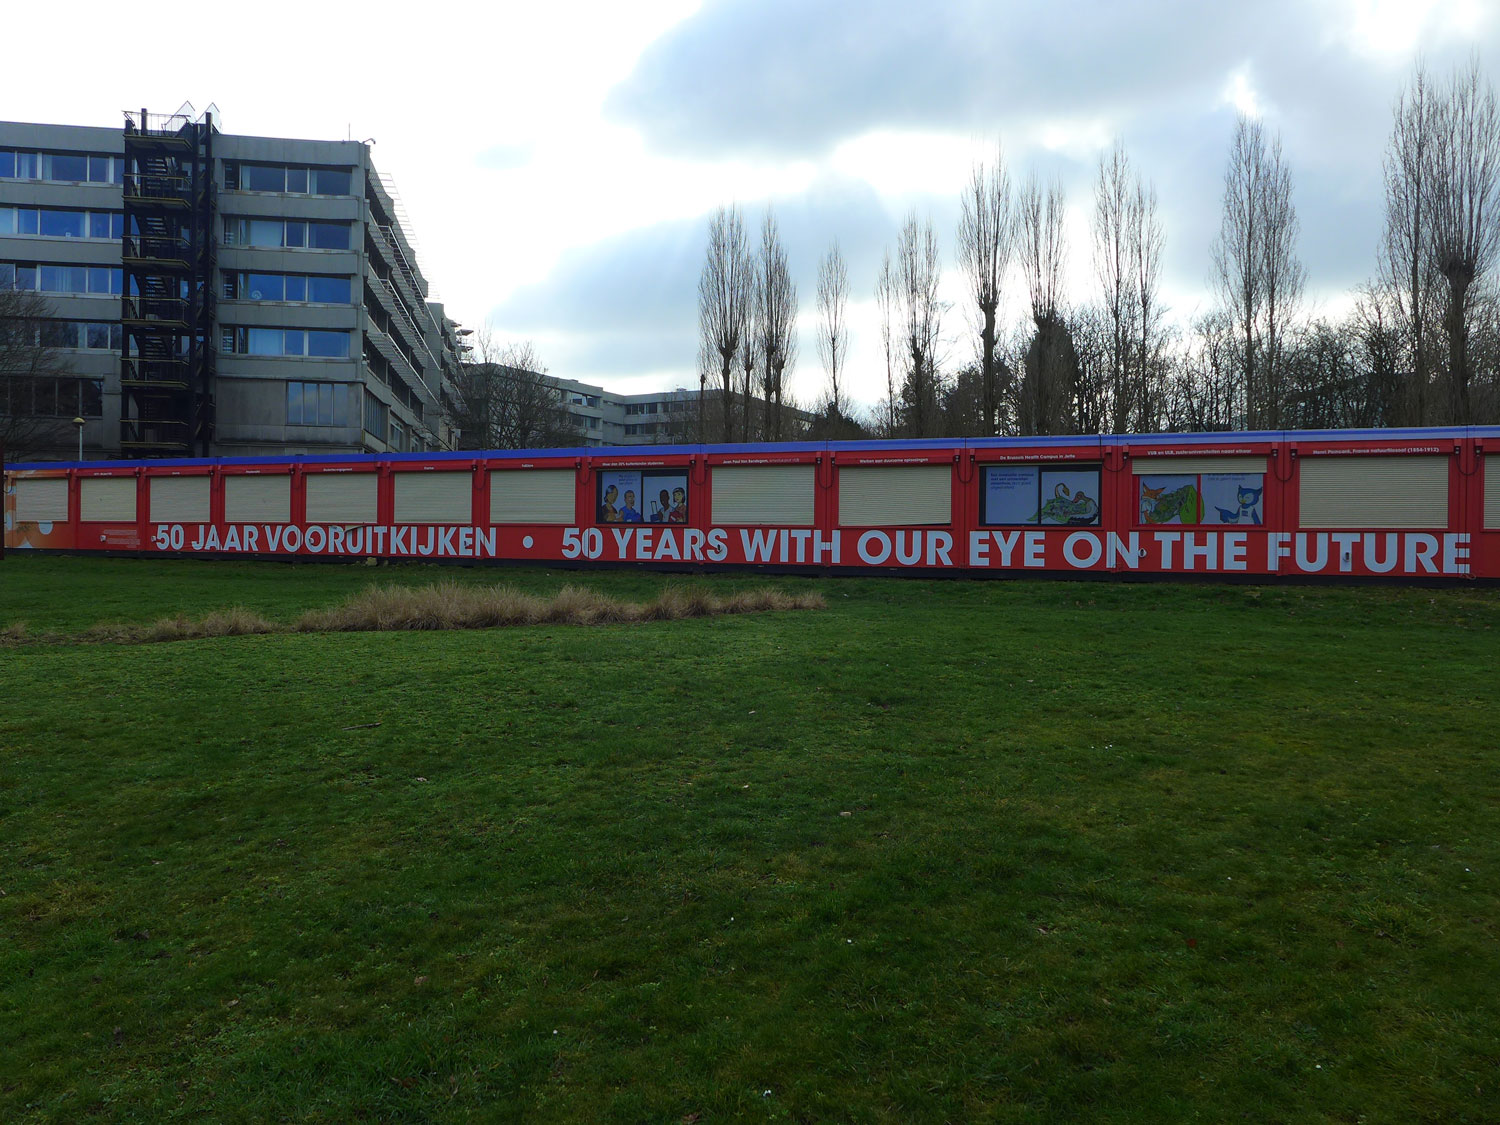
<point>447,605</point>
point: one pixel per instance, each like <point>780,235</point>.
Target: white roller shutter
<point>1492,497</point>
<point>341,497</point>
<point>533,496</point>
<point>885,496</point>
<point>1374,491</point>
<point>1168,466</point>
<point>258,499</point>
<point>41,500</point>
<point>434,497</point>
<point>780,495</point>
<point>107,499</point>
<point>179,499</point>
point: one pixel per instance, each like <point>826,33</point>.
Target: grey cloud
<point>629,303</point>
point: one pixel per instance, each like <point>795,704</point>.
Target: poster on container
<point>1010,494</point>
<point>1233,497</point>
<point>619,497</point>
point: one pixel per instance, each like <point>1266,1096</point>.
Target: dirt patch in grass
<point>439,606</point>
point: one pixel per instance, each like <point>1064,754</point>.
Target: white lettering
<point>1167,539</point>
<point>939,544</point>
<point>718,544</point>
<point>1093,549</point>
<point>757,545</point>
<point>1456,554</point>
<point>1035,545</point>
<point>317,539</point>
<point>1127,551</point>
<point>694,544</point>
<point>1343,545</point>
<point>1234,550</point>
<point>1420,549</point>
<point>1320,559</point>
<point>882,543</point>
<point>1208,552</point>
<point>1277,549</point>
<point>1007,544</point>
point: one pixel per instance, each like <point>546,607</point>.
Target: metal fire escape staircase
<point>168,300</point>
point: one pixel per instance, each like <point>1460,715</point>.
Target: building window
<point>25,397</point>
<point>78,280</point>
<point>62,167</point>
<point>56,222</point>
<point>317,343</point>
<point>375,416</point>
<point>293,179</point>
<point>81,334</point>
<point>291,234</point>
<point>293,287</point>
<point>317,404</point>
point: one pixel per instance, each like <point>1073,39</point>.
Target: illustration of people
<point>608,513</point>
<point>629,513</point>
<point>678,514</point>
<point>659,508</point>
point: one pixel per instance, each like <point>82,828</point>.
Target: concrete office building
<point>656,418</point>
<point>218,295</point>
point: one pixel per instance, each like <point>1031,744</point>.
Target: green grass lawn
<point>942,851</point>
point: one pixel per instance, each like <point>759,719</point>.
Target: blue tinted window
<point>294,404</point>
<point>325,404</point>
<point>26,221</point>
<point>263,286</point>
<point>7,164</point>
<point>296,179</point>
<point>66,166</point>
<point>64,224</point>
<point>102,280</point>
<point>25,276</point>
<point>7,220</point>
<point>331,181</point>
<point>296,234</point>
<point>260,177</point>
<point>332,345</point>
<point>294,342</point>
<point>26,166</point>
<point>98,169</point>
<point>98,224</point>
<point>296,287</point>
<point>329,290</point>
<point>116,225</point>
<point>98,336</point>
<point>329,236</point>
<point>263,341</point>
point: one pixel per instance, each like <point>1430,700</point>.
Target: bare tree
<point>776,322</point>
<point>502,399</point>
<point>1406,264</point>
<point>833,326</point>
<point>1145,244</point>
<point>985,237</point>
<point>28,370</point>
<point>885,301</point>
<point>724,291</point>
<point>1114,267</point>
<point>1259,276</point>
<point>1045,399</point>
<point>1460,208</point>
<point>920,317</point>
<point>1205,392</point>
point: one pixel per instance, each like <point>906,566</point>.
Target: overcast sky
<point>559,161</point>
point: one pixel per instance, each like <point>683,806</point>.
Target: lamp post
<point>79,422</point>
